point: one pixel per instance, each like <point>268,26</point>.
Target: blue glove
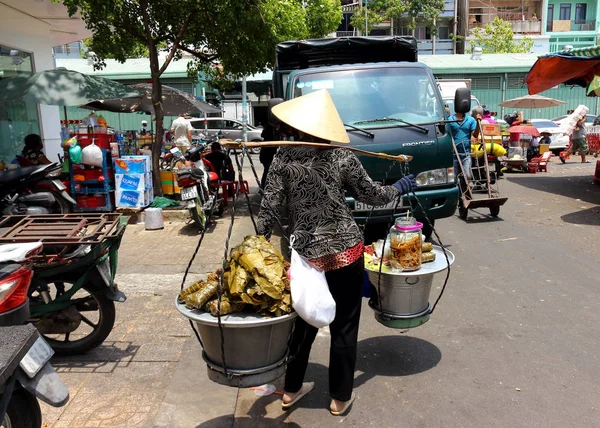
<point>406,184</point>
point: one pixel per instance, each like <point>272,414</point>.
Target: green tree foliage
<point>423,12</point>
<point>226,37</point>
<point>322,17</point>
<point>497,37</point>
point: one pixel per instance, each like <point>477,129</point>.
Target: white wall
<point>38,36</point>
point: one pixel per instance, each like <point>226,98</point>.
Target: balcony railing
<point>526,27</point>
<point>345,33</point>
<point>583,25</point>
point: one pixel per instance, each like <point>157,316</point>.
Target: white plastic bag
<point>92,155</point>
<point>310,293</point>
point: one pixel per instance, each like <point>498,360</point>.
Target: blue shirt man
<point>461,133</point>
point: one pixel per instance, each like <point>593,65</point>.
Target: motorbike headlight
<point>435,177</point>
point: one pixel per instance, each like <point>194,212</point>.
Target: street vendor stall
<point>576,67</point>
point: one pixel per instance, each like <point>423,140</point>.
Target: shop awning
<point>576,67</point>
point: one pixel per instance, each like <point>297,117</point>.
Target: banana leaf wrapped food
<point>255,277</point>
<point>227,306</point>
<point>427,247</point>
<point>428,257</point>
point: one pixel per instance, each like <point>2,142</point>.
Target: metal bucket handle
<point>408,280</point>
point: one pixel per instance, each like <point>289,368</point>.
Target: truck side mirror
<point>273,121</point>
<point>462,100</point>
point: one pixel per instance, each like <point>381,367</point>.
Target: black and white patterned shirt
<point>312,181</point>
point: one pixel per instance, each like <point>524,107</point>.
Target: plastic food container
<point>406,242</point>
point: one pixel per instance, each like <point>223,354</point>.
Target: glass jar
<point>406,242</point>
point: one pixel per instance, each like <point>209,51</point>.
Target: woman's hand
<point>406,184</point>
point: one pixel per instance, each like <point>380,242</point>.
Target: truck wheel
<point>23,411</point>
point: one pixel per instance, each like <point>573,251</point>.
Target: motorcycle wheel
<point>23,411</point>
<point>196,217</point>
<point>95,325</point>
<point>61,206</point>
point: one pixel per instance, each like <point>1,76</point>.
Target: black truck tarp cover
<point>301,54</point>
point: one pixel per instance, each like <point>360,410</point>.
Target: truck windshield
<point>374,93</point>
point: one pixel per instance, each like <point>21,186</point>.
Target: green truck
<point>389,103</point>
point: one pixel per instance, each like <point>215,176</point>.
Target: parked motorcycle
<point>31,190</point>
<point>72,298</point>
<point>25,370</point>
<point>199,187</point>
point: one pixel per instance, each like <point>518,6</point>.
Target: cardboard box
<point>133,198</point>
<point>130,166</point>
<point>490,129</point>
<point>145,158</point>
<point>137,182</point>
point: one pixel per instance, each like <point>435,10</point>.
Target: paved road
<point>514,341</point>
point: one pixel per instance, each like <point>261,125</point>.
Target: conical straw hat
<point>313,114</point>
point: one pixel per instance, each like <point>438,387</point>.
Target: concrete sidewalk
<point>514,341</point>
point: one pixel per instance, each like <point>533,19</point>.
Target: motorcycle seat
<point>7,177</point>
<point>15,175</point>
<point>197,173</point>
<point>17,252</point>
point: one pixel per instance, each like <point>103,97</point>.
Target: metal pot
<point>407,293</point>
<point>255,347</point>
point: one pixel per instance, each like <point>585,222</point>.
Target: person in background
<point>181,129</point>
<point>32,152</point>
<point>221,161</point>
<point>487,116</point>
<point>144,128</point>
<point>267,154</point>
<point>313,182</point>
<point>462,129</point>
<point>546,138</point>
<point>578,142</point>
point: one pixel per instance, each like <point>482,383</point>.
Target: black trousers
<point>266,166</point>
<point>345,285</point>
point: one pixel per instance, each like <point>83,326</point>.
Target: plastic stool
<point>227,186</point>
<point>244,188</point>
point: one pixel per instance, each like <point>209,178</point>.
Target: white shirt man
<point>181,129</point>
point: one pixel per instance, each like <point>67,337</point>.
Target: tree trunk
<point>159,116</point>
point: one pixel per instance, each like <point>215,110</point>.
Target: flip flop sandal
<point>306,388</point>
<point>346,407</point>
<point>587,161</point>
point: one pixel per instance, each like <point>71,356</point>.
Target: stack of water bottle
<point>571,123</point>
<point>133,181</point>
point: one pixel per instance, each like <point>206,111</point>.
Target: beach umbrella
<point>61,88</point>
<point>174,102</point>
<point>531,101</point>
<point>524,129</point>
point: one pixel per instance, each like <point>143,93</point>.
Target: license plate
<point>189,193</point>
<point>359,206</point>
<point>36,357</point>
<point>59,185</point>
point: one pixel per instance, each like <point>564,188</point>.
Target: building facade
<point>28,32</point>
<point>572,23</point>
<point>430,42</point>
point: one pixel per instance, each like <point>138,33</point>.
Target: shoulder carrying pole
<point>230,144</point>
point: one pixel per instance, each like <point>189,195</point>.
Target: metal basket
<point>255,347</point>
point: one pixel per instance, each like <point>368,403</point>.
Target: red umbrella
<point>524,129</point>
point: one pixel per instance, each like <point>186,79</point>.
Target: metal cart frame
<point>480,184</point>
